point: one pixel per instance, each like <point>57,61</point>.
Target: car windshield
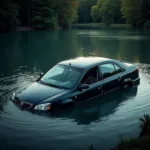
<point>62,76</point>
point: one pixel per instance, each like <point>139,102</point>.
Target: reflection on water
<point>96,109</point>
<point>88,119</point>
<point>90,122</point>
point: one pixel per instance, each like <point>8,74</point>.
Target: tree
<point>51,14</point>
<point>95,11</point>
<point>9,12</point>
<point>94,14</point>
<point>130,10</point>
<point>108,11</point>
<point>84,10</point>
<point>43,14</point>
<point>66,12</point>
<point>24,11</point>
<point>144,13</point>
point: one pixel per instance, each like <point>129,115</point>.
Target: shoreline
<point>24,28</point>
<point>142,142</point>
<point>29,28</point>
<point>101,26</point>
<point>82,26</point>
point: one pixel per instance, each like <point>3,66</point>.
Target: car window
<point>91,77</point>
<point>107,70</point>
<point>117,68</point>
<point>62,76</point>
<point>56,71</point>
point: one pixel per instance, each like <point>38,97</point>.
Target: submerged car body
<point>76,80</point>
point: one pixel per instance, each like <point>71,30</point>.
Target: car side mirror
<point>84,86</point>
<point>41,75</point>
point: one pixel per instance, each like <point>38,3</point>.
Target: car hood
<point>38,92</point>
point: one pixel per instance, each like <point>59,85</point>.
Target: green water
<point>42,49</point>
<point>23,55</point>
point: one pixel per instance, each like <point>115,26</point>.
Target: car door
<point>111,76</point>
<point>94,87</point>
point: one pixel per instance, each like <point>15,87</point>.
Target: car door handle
<point>99,88</point>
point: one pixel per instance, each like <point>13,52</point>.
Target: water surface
<point>23,55</point>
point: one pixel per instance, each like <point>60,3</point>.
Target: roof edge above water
<point>84,62</point>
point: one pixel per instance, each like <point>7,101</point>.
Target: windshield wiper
<point>44,82</point>
<point>49,84</point>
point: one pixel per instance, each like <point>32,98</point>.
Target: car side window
<point>117,68</point>
<point>107,70</point>
<point>91,77</point>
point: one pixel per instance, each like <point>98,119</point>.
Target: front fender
<point>67,101</point>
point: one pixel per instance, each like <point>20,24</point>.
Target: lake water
<point>23,55</point>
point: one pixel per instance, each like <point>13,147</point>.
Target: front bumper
<point>21,104</point>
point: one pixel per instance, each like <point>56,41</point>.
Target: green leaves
<point>67,12</point>
<point>136,12</point>
<point>42,14</point>
<point>130,9</point>
<point>9,12</point>
<point>144,122</point>
<point>93,13</point>
<point>84,10</point>
<point>108,11</point>
<point>51,14</point>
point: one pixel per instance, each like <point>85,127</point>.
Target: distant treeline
<point>43,14</point>
<point>40,14</point>
<point>134,12</point>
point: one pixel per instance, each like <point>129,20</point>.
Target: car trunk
<point>133,71</point>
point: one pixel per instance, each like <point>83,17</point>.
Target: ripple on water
<point>112,117</point>
<point>103,36</point>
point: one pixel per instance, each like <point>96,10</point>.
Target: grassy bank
<point>100,26</point>
<point>82,26</point>
<point>142,142</point>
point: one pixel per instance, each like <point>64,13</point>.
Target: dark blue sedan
<point>76,80</point>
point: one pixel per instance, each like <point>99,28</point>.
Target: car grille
<point>23,105</point>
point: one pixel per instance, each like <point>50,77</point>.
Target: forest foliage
<point>9,12</point>
<point>40,14</point>
<point>134,12</point>
<point>43,14</point>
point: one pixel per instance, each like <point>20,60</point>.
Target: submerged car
<point>76,80</point>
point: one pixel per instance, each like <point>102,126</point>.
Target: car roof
<point>85,62</point>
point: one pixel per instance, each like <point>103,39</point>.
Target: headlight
<point>46,106</point>
<point>13,96</point>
